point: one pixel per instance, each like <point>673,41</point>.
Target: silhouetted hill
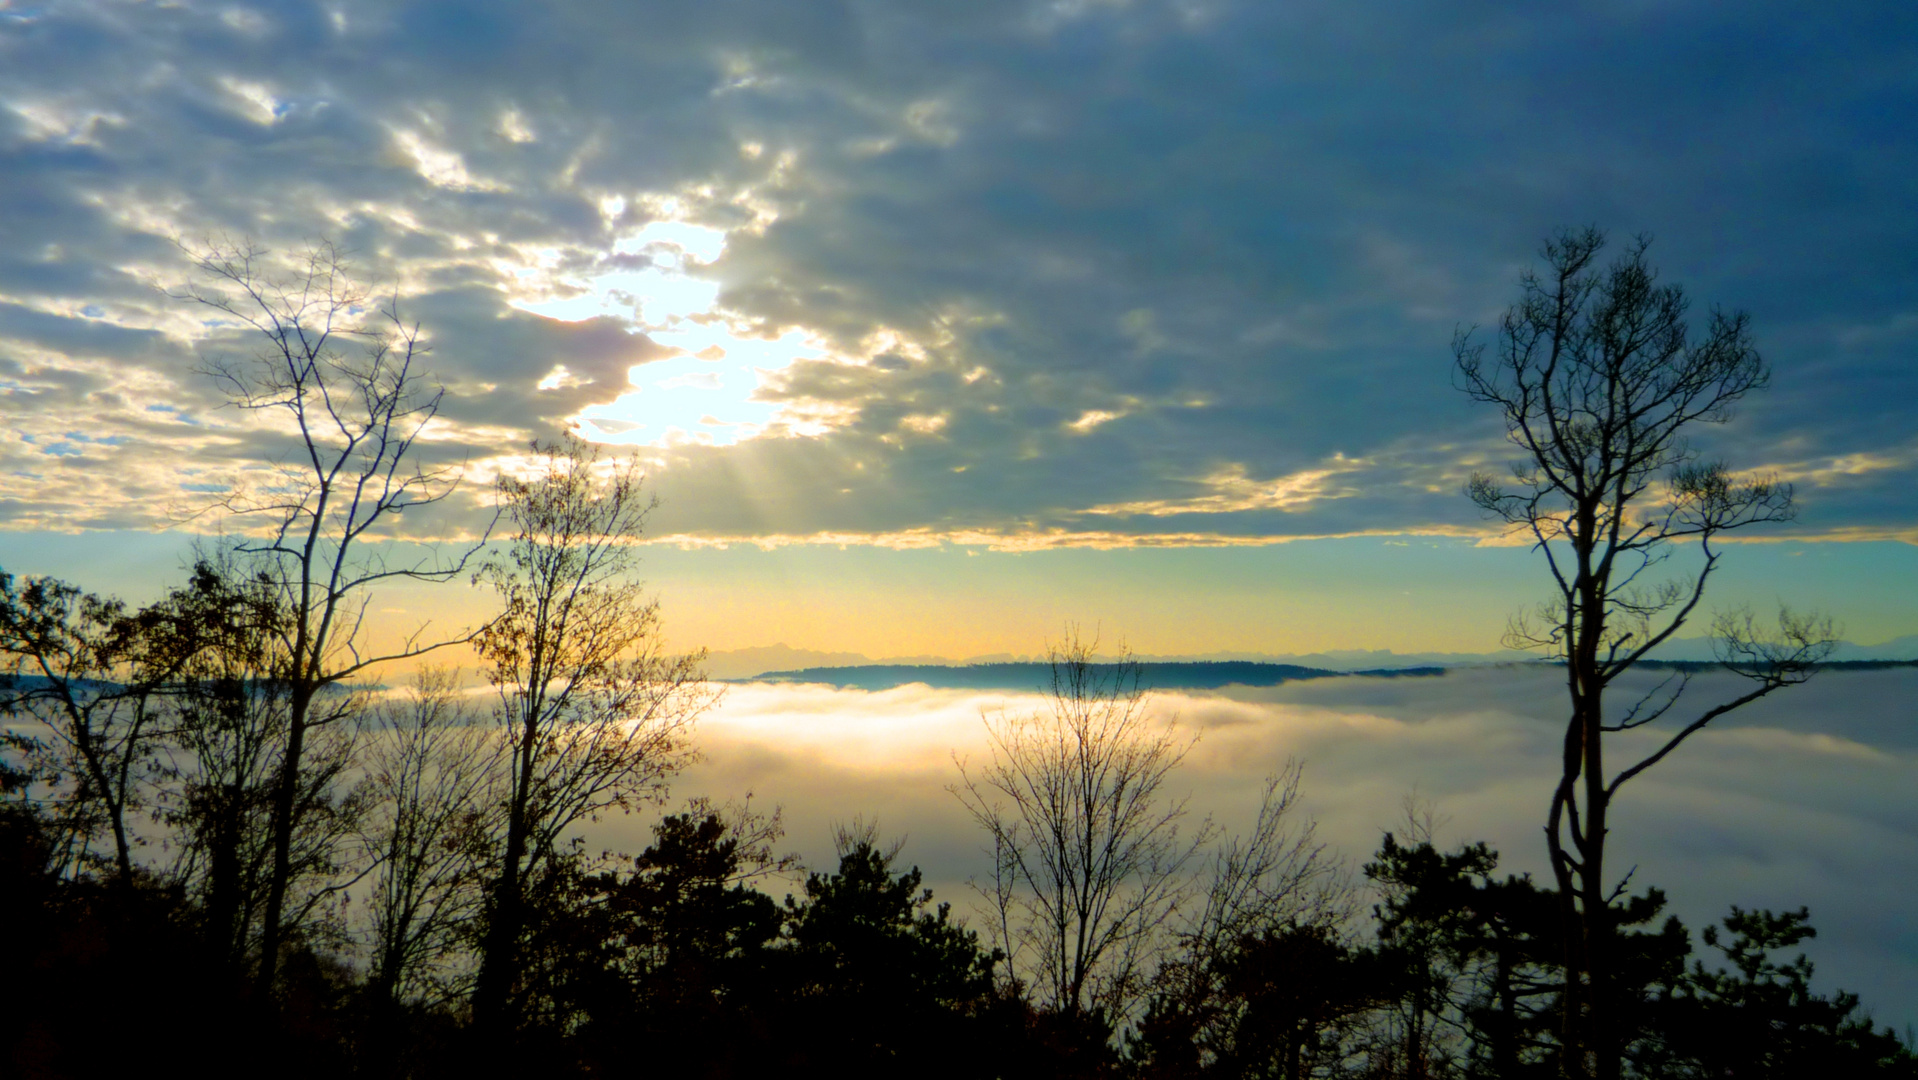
<point>1829,665</point>
<point>1160,675</point>
<point>781,660</point>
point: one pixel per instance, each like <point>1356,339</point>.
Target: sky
<point>937,326</point>
<point>940,326</point>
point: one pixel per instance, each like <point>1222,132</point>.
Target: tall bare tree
<point>1090,866</point>
<point>337,372</point>
<point>596,714</point>
<point>1599,379</point>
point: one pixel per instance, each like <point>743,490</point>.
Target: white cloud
<point>1229,490</point>
<point>257,99</point>
<point>514,128</point>
<point>438,165</point>
<point>1092,418</point>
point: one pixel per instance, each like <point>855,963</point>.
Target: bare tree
<point>1090,866</point>
<point>339,374</point>
<point>1277,880</point>
<point>431,765</point>
<point>597,715</point>
<point>1599,379</point>
<point>1278,874</point>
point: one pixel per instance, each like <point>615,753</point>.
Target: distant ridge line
<point>1036,675</point>
<point>1829,665</point>
<point>1165,674</point>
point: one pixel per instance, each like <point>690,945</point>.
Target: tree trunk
<point>223,873</point>
<point>1505,1019</point>
<point>283,799</point>
<point>498,959</point>
<point>494,985</point>
<point>1571,933</point>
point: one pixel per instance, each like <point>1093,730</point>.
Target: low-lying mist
<point>1804,798</point>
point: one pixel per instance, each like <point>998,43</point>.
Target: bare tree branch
<point>356,414</point>
<point>1599,378</point>
<point>1090,864</point>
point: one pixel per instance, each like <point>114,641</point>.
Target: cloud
<point>1231,491</point>
<point>1138,273</point>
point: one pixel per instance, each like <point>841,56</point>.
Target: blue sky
<point>1105,299</point>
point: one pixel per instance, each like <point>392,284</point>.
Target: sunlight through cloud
<point>709,393</point>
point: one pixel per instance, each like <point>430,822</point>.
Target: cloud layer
<point>1801,799</point>
<point>1018,274</point>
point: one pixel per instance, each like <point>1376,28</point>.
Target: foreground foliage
<point>677,961</point>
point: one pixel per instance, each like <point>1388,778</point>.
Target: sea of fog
<point>1809,797</point>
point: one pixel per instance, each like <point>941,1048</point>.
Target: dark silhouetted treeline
<point>678,962</point>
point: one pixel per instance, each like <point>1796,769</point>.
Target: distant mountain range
<point>782,663</point>
<point>782,659</point>
<point>1897,649</point>
<point>749,663</point>
<point>1027,675</point>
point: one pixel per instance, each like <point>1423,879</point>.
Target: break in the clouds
<point>1012,273</point>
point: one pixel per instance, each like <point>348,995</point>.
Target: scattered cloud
<point>1150,273</point>
<point>1231,491</point>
